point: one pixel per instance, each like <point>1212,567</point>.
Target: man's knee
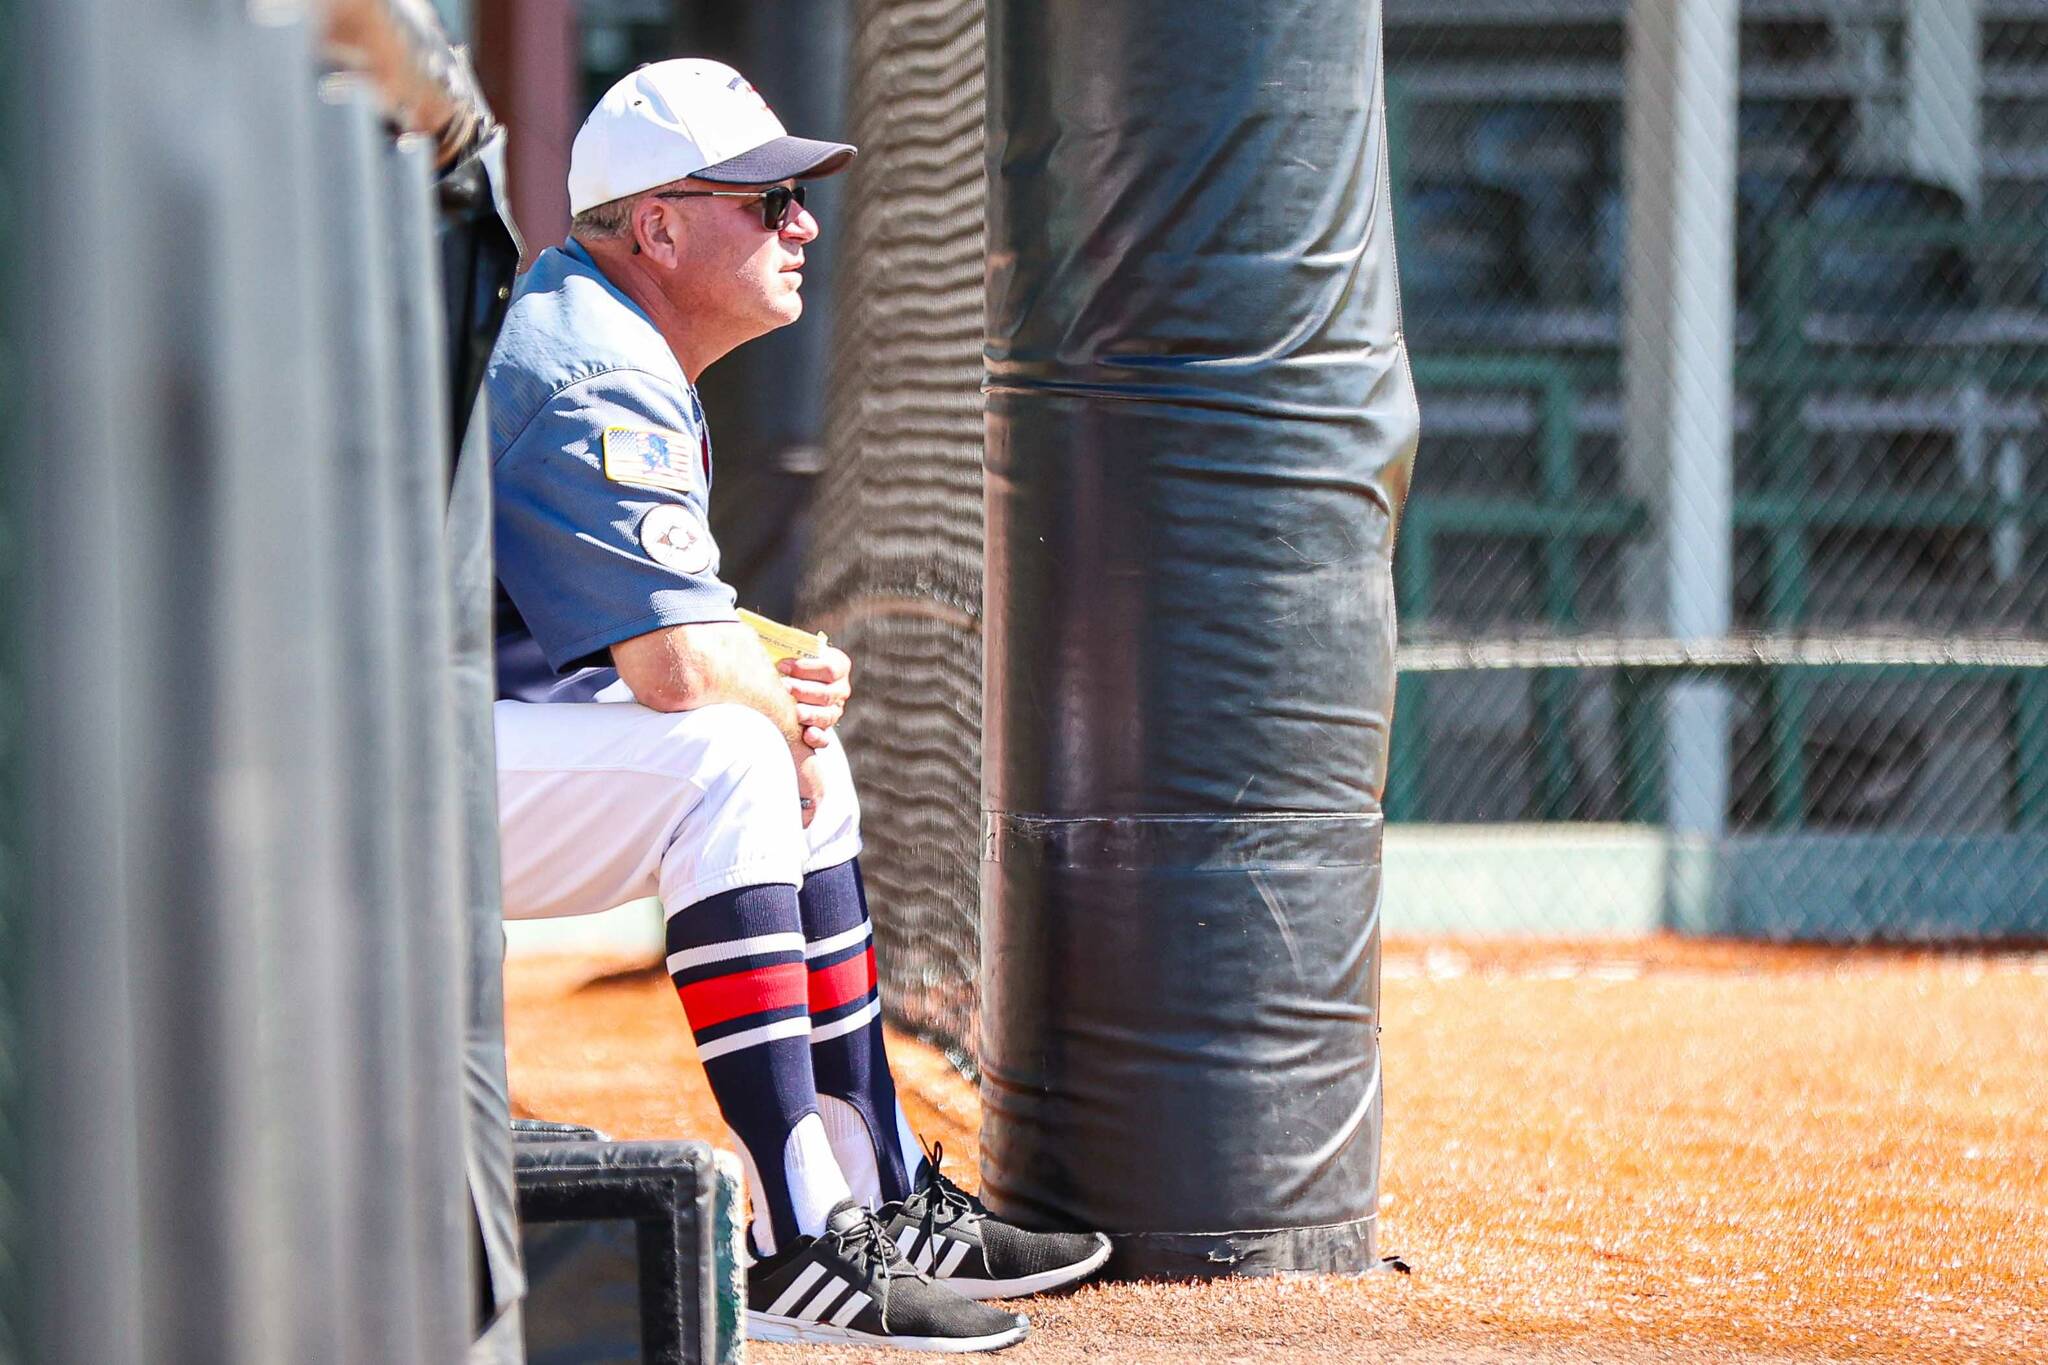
<point>732,738</point>
<point>746,828</point>
<point>742,750</point>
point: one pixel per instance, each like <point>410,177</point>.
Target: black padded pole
<point>1200,425</point>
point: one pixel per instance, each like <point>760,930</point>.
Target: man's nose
<point>801,228</point>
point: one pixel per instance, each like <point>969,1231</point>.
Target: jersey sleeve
<point>601,517</point>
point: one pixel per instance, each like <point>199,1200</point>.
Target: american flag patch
<point>650,459</point>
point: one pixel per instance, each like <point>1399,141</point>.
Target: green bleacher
<point>1892,369</point>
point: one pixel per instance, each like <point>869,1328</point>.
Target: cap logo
<point>741,83</point>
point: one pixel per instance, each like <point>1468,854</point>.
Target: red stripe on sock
<point>722,998</point>
<point>832,987</point>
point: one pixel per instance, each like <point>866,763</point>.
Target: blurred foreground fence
<point>249,805</point>
<point>1724,583</point>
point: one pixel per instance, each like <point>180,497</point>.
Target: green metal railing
<point>1781,369</point>
<point>1559,518</point>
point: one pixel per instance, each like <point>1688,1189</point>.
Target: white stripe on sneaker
<point>823,1300</point>
<point>798,1287</point>
<point>955,1254</point>
<point>767,1033</point>
<point>905,1240</point>
<point>845,939</point>
<point>854,1303</point>
<point>738,947</point>
<point>859,1019</point>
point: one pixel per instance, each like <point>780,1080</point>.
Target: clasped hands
<point>819,684</point>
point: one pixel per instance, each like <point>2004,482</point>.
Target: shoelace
<point>866,1244</point>
<point>945,1204</point>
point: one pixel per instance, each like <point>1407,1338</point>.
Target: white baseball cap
<point>688,117</point>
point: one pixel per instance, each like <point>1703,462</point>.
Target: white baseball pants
<point>600,803</point>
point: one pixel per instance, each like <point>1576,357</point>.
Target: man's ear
<point>651,234</point>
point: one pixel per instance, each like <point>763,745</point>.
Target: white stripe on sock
<point>738,947</point>
<point>955,1254</point>
<point>767,1033</point>
<point>798,1287</point>
<point>859,1019</point>
<point>845,939</point>
<point>822,1300</point>
<point>854,1303</point>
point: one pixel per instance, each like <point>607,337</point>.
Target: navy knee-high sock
<point>873,1143</point>
<point>737,959</point>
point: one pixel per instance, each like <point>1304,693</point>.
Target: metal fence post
<point>1678,343</point>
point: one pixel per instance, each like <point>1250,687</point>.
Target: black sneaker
<point>949,1234</point>
<point>851,1284</point>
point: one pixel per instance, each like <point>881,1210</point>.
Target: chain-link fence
<point>1883,464</point>
<point>895,575</point>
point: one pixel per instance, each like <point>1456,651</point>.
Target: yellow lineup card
<point>783,642</point>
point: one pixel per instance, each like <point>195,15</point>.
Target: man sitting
<point>646,745</point>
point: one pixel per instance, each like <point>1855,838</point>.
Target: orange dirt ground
<point>1641,1151</point>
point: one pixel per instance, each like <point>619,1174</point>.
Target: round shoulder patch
<point>675,539</point>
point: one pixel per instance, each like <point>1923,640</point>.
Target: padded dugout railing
<point>256,834</point>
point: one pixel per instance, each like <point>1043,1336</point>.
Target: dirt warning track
<point>1641,1151</point>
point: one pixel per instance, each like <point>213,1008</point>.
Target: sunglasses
<point>777,204</point>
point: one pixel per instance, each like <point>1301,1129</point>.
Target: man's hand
<point>679,668</point>
<point>820,686</point>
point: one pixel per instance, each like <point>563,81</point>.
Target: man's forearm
<point>684,667</point>
<point>750,680</point>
